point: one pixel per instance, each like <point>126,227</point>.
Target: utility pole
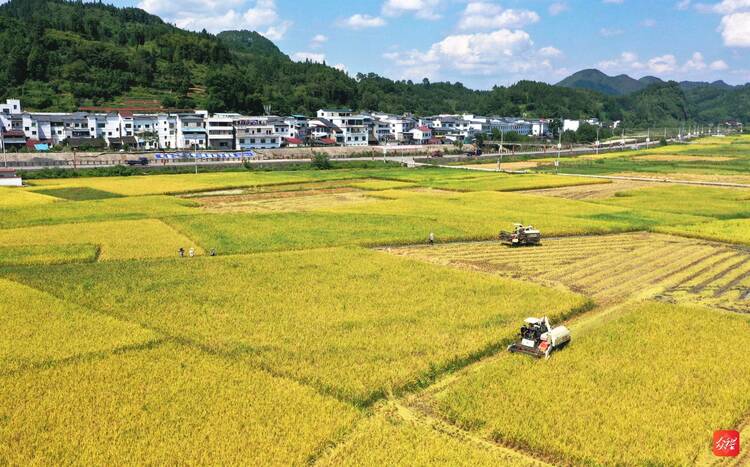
<point>559,148</point>
<point>597,140</point>
<point>195,157</point>
<point>502,145</point>
<point>5,155</point>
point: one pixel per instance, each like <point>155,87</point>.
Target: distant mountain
<point>595,80</point>
<point>689,85</point>
<point>623,85</point>
<point>649,80</point>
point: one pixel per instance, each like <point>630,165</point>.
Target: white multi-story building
<point>229,131</point>
<point>220,130</point>
<point>146,131</point>
<point>353,128</point>
<point>167,129</point>
<point>400,126</point>
<point>191,131</point>
<point>8,111</point>
<point>255,133</point>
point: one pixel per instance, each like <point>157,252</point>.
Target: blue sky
<point>486,42</point>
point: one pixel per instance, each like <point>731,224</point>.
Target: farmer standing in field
<point>432,238</point>
<point>181,252</point>
<point>192,252</point>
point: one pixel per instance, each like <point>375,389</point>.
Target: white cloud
<point>479,16</point>
<point>360,21</point>
<point>311,56</point>
<point>662,64</point>
<point>341,67</point>
<point>695,63</point>
<point>667,64</point>
<point>423,9</point>
<point>735,29</point>
<point>617,2</point>
<point>648,23</point>
<point>221,15</point>
<point>626,61</point>
<point>550,52</point>
<point>318,40</point>
<point>683,5</point>
<point>557,8</point>
<point>730,6</point>
<point>610,32</point>
<point>488,54</point>
<point>719,65</point>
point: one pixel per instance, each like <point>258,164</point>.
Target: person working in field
<point>181,252</point>
<point>431,239</point>
<point>192,252</point>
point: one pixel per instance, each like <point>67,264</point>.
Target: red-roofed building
<point>421,134</point>
<point>293,142</point>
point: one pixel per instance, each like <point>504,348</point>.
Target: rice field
<point>47,254</point>
<point>39,330</point>
<point>160,405</point>
<point>326,317</point>
<point>635,392</point>
<point>328,332</point>
<point>396,437</point>
<point>116,240</point>
<point>18,198</point>
<point>505,182</point>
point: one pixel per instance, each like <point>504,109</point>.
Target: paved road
<point>407,160</point>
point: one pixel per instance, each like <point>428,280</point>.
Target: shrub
<point>321,161</point>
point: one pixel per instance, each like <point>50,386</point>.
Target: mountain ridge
<point>623,85</point>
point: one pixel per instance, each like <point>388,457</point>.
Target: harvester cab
<point>521,235</point>
<point>538,338</point>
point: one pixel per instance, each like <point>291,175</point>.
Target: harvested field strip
<point>612,268</point>
<point>705,268</point>
<point>705,255</point>
<point>745,274</point>
<point>593,265</point>
<point>297,201</point>
<point>633,270</point>
<point>727,268</point>
<point>625,266</point>
<point>648,273</point>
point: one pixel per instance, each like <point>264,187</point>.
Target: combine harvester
<point>521,236</point>
<point>538,338</point>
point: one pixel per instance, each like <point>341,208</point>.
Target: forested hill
<point>61,55</point>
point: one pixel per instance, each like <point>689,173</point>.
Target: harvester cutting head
<point>538,338</point>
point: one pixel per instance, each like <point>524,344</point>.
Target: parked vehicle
<point>139,161</point>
